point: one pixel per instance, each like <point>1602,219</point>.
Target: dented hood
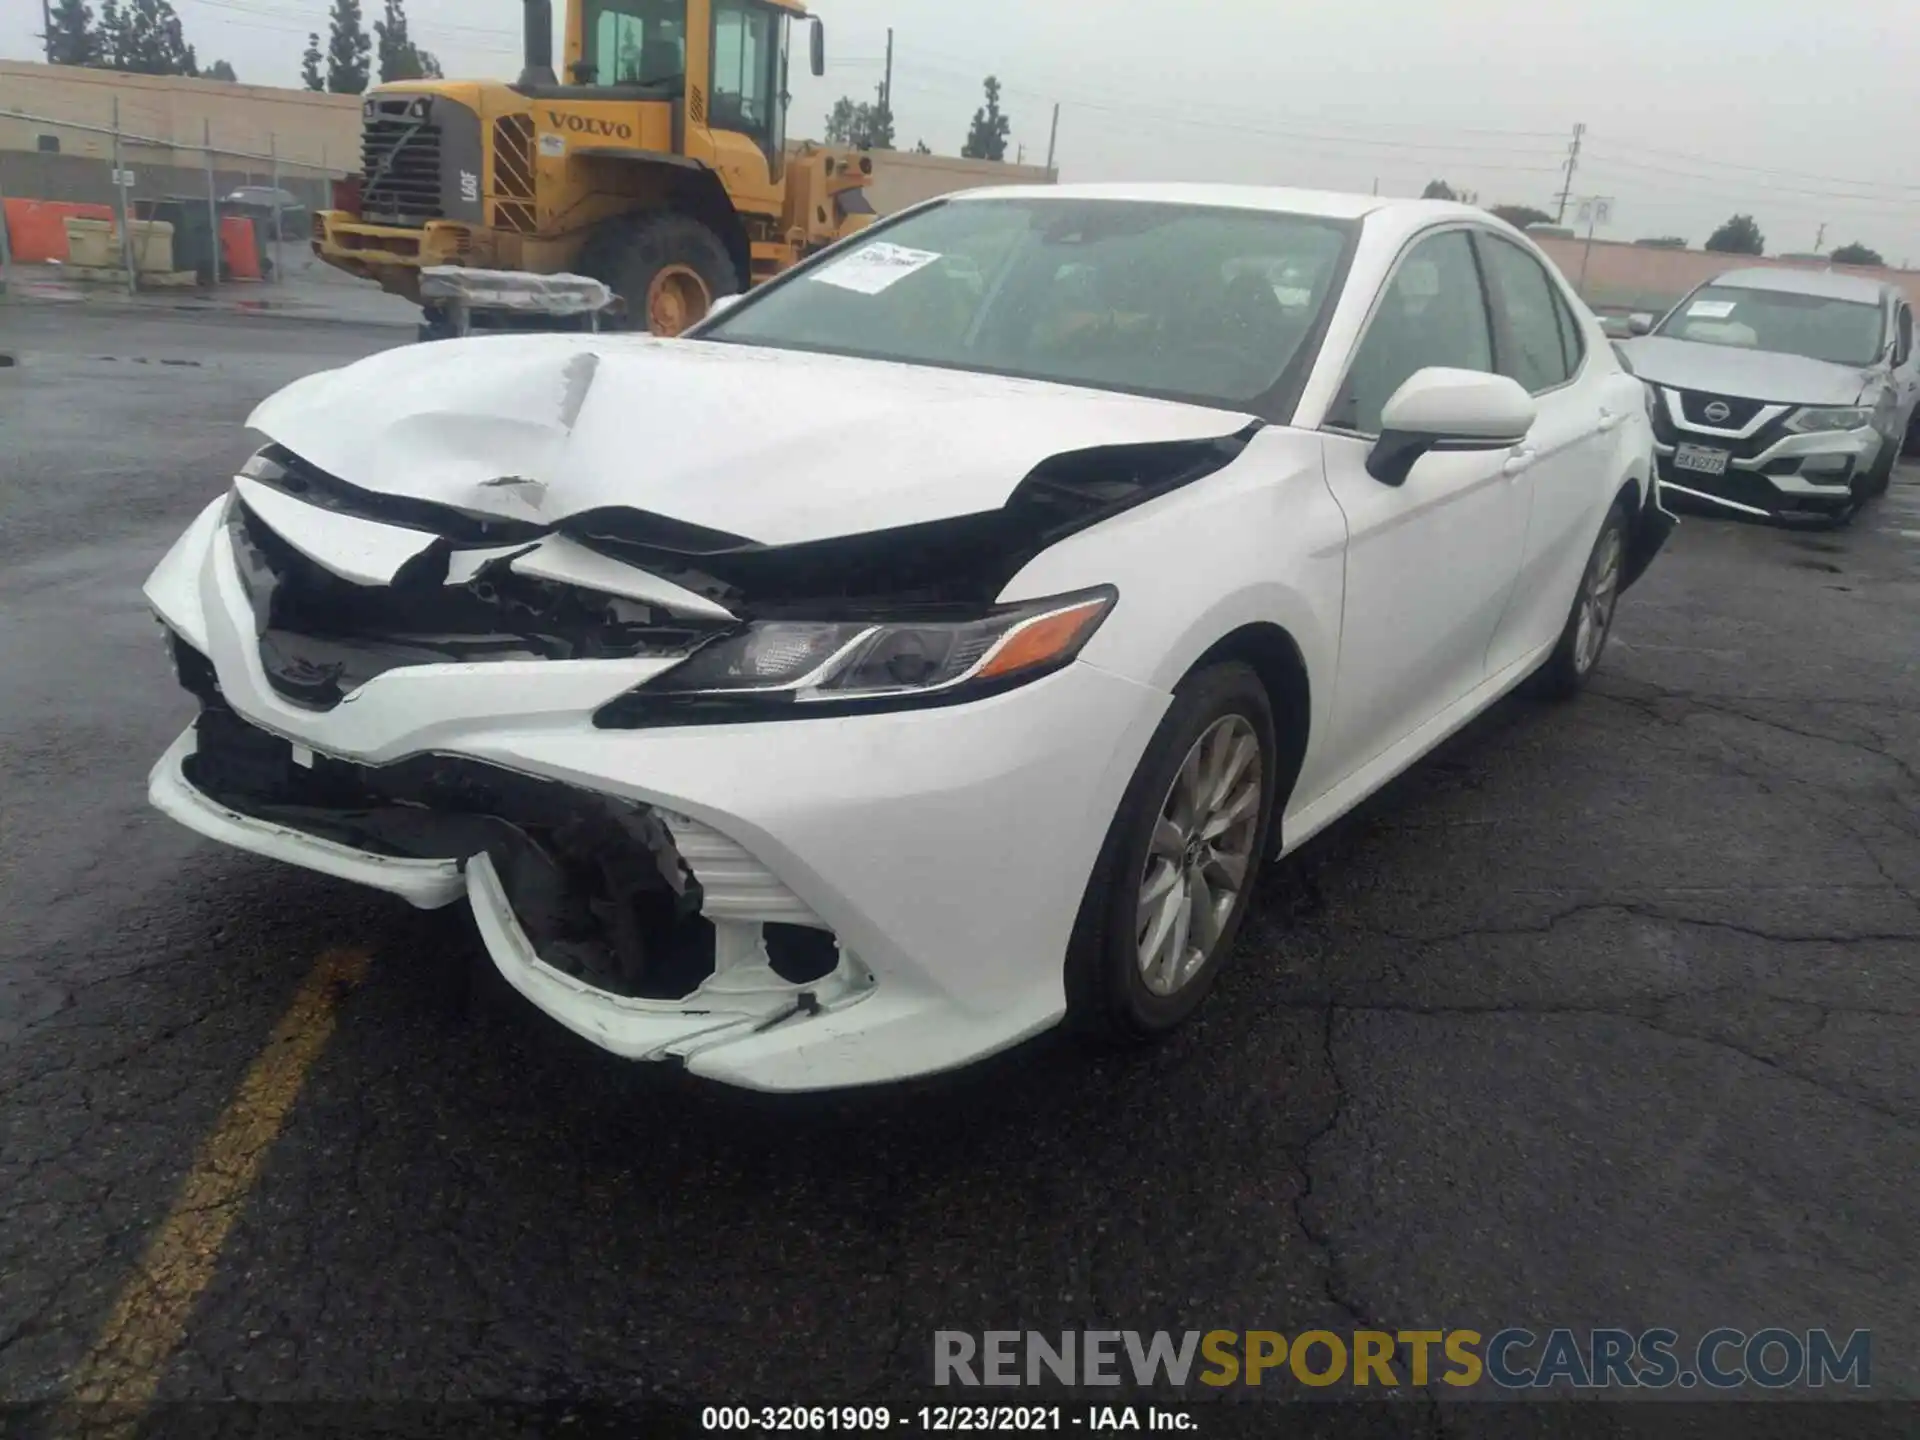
<point>774,446</point>
<point>1747,374</point>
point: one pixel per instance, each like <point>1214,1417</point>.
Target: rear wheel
<point>1912,447</point>
<point>1590,622</point>
<point>1180,861</point>
<point>667,268</point>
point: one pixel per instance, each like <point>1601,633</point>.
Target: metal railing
<point>276,170</point>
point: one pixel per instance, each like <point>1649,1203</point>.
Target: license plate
<point>1700,460</point>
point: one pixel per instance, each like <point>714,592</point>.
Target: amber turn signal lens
<point>1043,640</point>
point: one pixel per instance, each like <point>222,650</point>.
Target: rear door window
<point>1533,349</point>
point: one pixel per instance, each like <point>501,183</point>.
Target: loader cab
<point>645,48</point>
<point>633,44</point>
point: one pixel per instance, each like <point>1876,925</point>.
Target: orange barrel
<point>240,245</point>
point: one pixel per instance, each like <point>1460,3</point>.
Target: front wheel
<point>668,268</point>
<point>1181,857</point>
<point>1880,477</point>
<point>1590,622</point>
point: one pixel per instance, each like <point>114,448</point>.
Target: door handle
<point>1522,459</point>
<point>1608,420</point>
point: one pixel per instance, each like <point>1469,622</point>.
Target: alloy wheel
<point>1199,856</point>
<point>1598,595</point>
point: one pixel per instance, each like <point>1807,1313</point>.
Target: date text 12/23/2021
<point>946,1419</point>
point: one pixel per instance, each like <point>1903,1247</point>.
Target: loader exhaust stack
<point>539,43</point>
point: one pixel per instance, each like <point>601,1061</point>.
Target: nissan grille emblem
<point>1719,412</point>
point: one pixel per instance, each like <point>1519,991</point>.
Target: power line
<point>1615,162</point>
<point>1766,170</point>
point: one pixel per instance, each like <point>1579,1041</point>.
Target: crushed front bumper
<point>945,851</point>
<point>1813,474</point>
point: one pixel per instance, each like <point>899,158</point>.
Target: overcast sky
<point>1800,114</point>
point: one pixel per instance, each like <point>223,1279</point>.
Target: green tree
<point>1857,254</point>
<point>1739,236</point>
<point>1438,190</point>
<point>400,58</point>
<point>71,37</point>
<point>220,70</point>
<point>349,50</point>
<point>313,61</point>
<point>987,138</point>
<point>1521,216</point>
<point>859,125</point>
<point>144,37</point>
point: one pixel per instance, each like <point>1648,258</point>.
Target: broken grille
<point>513,173</point>
<point>322,637</point>
<point>401,159</point>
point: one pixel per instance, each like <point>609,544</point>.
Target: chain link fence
<point>128,173</point>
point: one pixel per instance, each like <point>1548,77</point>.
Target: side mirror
<point>817,48</point>
<point>1443,409</point>
<point>1640,324</point>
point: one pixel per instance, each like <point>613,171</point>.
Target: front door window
<point>745,68</point>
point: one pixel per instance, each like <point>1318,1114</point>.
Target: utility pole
<point>1820,239</point>
<point>886,83</point>
<point>46,26</point>
<point>1376,184</point>
<point>1573,160</point>
<point>1053,134</point>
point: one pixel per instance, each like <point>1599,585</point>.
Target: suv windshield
<point>1178,301</point>
<point>1842,332</point>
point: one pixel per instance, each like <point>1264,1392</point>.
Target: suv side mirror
<point>817,48</point>
<point>1444,409</point>
<point>1640,324</point>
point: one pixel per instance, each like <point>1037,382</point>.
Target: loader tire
<point>667,268</point>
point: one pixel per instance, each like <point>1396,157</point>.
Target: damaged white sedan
<point>935,643</point>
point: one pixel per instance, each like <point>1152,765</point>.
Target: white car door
<point>1429,562</point>
<point>1538,343</point>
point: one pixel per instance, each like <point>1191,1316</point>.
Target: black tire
<point>1912,445</point>
<point>1107,995</point>
<point>1880,477</point>
<point>630,255</point>
<point>1570,666</point>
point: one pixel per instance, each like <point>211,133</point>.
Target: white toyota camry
<point>937,642</point>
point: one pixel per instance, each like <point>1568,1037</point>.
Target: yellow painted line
<point>150,1318</point>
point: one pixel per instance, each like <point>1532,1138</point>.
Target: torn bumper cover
<point>784,905</point>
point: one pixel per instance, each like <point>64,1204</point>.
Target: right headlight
<point>789,668</point>
<point>1819,419</point>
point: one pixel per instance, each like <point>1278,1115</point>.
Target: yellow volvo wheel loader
<point>658,163</point>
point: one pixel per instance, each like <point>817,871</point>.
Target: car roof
<point>1828,283</point>
<point>1333,204</point>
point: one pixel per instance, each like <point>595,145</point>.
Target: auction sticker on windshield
<point>872,268</point>
<point>1710,309</point>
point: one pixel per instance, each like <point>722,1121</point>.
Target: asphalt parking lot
<point>1604,1015</point>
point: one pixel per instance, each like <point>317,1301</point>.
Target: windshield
<point>1841,332</point>
<point>635,42</point>
<point>1206,305</point>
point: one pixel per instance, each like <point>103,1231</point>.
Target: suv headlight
<point>1814,420</point>
<point>771,668</point>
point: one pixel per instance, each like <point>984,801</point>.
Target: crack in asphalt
<point>1638,1016</point>
<point>1644,911</point>
<point>1720,705</point>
